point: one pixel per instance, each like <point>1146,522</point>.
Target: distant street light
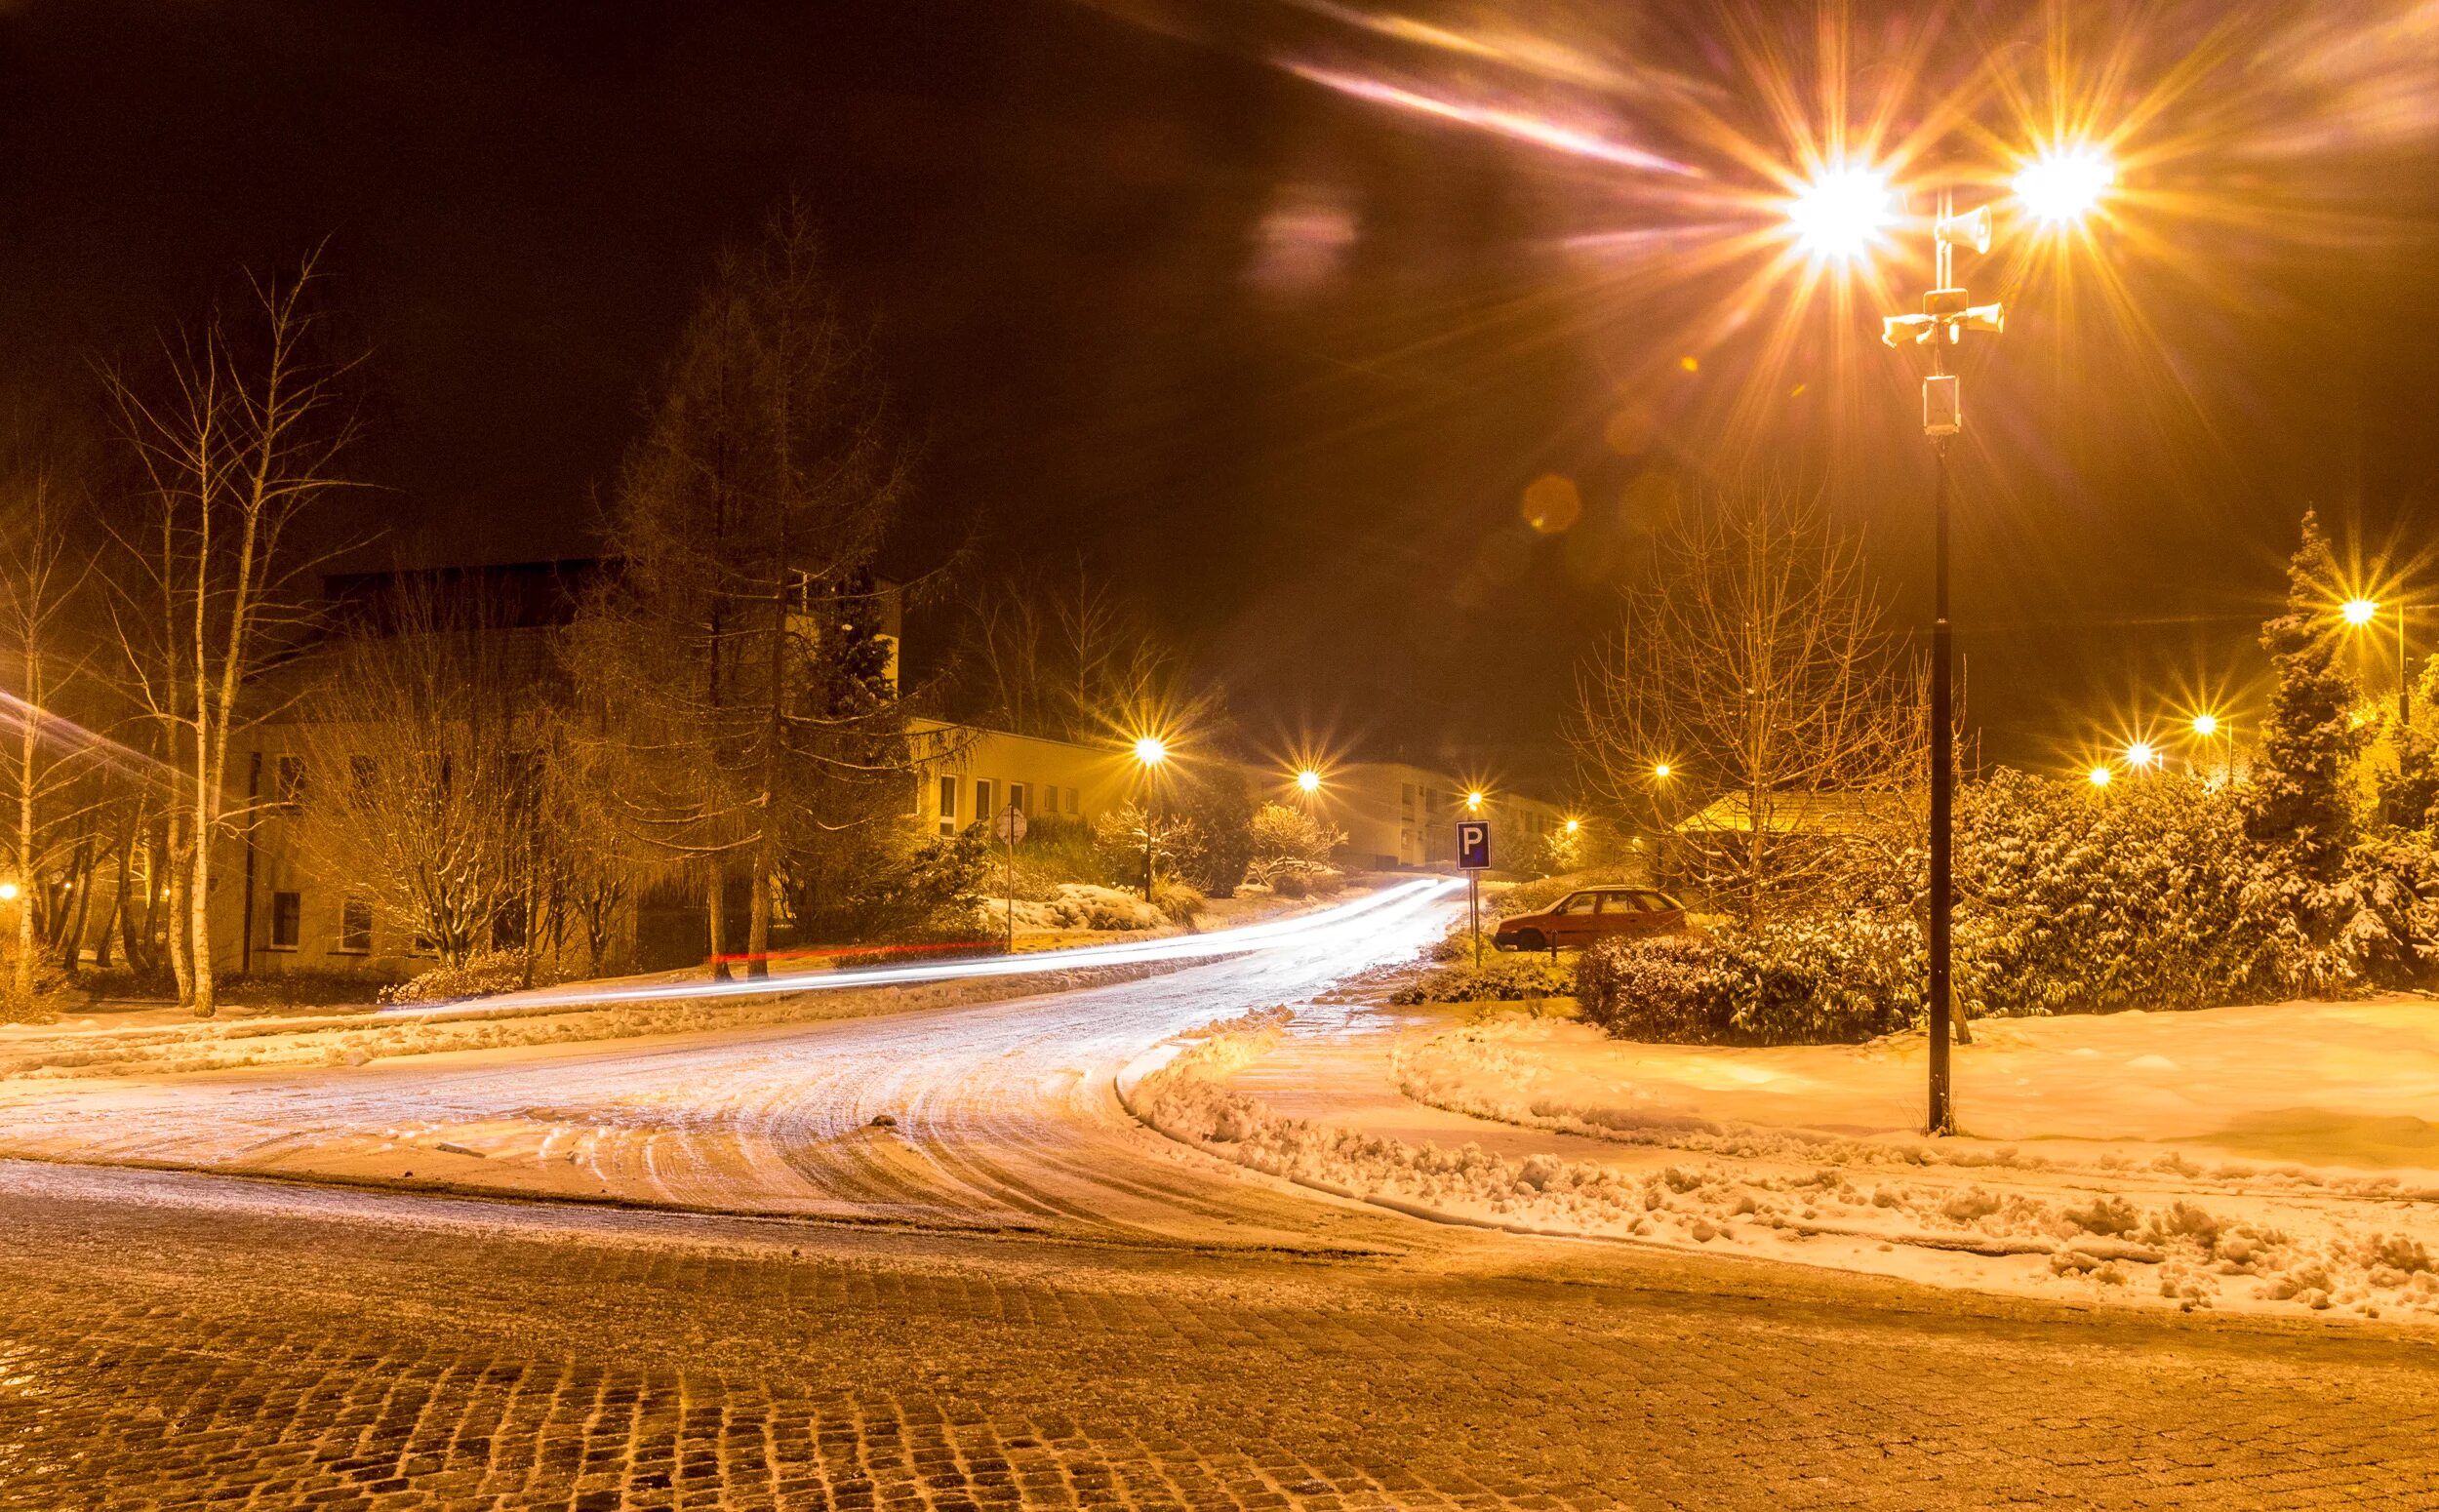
<point>1574,826</point>
<point>2100,776</point>
<point>1150,751</point>
<point>8,892</point>
<point>2209,725</point>
<point>2064,186</point>
<point>1659,770</point>
<point>2141,755</point>
<point>2362,611</point>
<point>1473,801</point>
<point>1309,781</point>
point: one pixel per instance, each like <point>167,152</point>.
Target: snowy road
<point>1003,1115</point>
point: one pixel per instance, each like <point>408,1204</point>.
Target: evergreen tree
<point>2297,809</point>
<point>738,650</point>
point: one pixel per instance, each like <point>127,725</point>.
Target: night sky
<point>1284,358</point>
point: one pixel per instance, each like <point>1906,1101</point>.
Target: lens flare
<point>2063,185</point>
<point>2360,610</point>
<point>1841,214</point>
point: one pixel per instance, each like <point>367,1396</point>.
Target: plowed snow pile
<point>2148,1178</point>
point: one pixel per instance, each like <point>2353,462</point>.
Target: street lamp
<point>2054,193</point>
<point>2141,755</point>
<point>1309,781</point>
<point>1150,751</point>
<point>2209,725</point>
<point>2100,776</point>
<point>2362,611</point>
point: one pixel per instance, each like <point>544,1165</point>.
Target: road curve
<point>992,1117</point>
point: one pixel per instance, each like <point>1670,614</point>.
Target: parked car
<point>1591,914</point>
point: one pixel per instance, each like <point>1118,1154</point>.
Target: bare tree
<point>1062,655</point>
<point>1755,662</point>
<point>417,732</point>
<point>238,446</point>
<point>49,766</point>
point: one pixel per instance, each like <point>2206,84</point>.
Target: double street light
<point>1843,213</point>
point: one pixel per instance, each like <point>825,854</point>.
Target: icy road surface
<point>1000,1116</point>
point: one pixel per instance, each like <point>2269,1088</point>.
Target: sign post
<point>1010,827</point>
<point>1474,854</point>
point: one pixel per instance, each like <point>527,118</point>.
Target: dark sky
<point>1281,358</point>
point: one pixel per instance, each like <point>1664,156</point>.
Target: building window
<point>1015,797</point>
<point>288,782</point>
<point>982,810</point>
<point>355,927</point>
<point>1073,801</point>
<point>287,917</point>
<point>949,806</point>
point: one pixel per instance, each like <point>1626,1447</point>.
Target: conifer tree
<point>2297,809</point>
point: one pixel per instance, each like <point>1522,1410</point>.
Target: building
<point>1399,815</point>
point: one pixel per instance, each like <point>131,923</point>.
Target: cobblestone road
<point>178,1340</point>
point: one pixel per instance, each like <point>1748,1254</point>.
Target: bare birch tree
<point>238,445</point>
<point>1755,661</point>
<point>1062,655</point>
<point>49,769</point>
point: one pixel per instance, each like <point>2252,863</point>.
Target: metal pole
<point>1012,886</point>
<point>2405,676</point>
<point>1943,1112</point>
<point>1473,901</point>
<point>1943,1117</point>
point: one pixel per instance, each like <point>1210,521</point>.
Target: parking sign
<point>1474,843</point>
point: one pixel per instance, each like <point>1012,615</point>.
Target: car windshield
<point>1576,902</point>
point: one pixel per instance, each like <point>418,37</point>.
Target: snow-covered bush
<point>1080,905</point>
<point>483,974</point>
<point>1291,848</point>
<point>1179,902</point>
<point>1499,979</point>
<point>1830,981</point>
<point>43,1000</point>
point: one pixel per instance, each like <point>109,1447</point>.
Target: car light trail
<point>1172,947</point>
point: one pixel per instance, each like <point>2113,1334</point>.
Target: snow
<point>2257,1159</point>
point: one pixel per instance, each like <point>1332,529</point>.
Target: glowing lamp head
<point>2360,610</point>
<point>1840,213</point>
<point>8,892</point>
<point>2100,776</point>
<point>1574,826</point>
<point>1151,750</point>
<point>1659,770</point>
<point>2205,725</point>
<point>1473,801</point>
<point>2140,754</point>
<point>2065,184</point>
<point>1308,780</point>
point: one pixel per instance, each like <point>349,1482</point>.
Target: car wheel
<point>1530,940</point>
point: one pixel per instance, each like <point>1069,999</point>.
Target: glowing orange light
<point>2140,754</point>
<point>2063,184</point>
<point>2360,610</point>
<point>1660,769</point>
<point>1840,215</point>
<point>1151,750</point>
<point>2205,725</point>
<point>1308,779</point>
<point>2100,776</point>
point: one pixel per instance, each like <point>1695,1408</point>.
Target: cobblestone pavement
<point>172,1341</point>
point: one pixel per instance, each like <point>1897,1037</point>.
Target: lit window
<point>287,919</point>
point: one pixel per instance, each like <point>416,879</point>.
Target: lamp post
<point>2360,612</point>
<point>1947,313</point>
<point>1150,752</point>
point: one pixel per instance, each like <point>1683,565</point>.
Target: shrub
<point>483,974</point>
<point>53,992</point>
<point>1180,900</point>
<point>1498,980</point>
<point>1290,848</point>
<point>1080,905</point>
<point>1839,980</point>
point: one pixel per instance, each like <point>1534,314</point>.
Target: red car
<point>1592,914</point>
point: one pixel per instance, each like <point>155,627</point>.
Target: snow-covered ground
<point>2269,1157</point>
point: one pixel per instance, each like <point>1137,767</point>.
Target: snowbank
<point>2157,1227</point>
